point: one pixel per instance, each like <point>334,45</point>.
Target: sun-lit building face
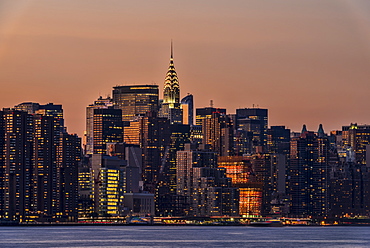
<point>250,201</point>
<point>135,100</point>
<point>239,169</point>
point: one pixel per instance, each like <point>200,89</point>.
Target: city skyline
<point>305,62</point>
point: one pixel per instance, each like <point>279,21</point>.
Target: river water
<point>184,236</point>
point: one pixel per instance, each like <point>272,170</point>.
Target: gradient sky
<point>306,61</point>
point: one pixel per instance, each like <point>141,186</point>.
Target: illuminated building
<point>171,91</point>
<point>187,106</point>
<point>85,189</point>
<point>171,107</point>
<point>155,141</point>
<point>196,135</point>
<point>254,120</point>
<point>166,195</point>
<point>217,130</point>
<point>108,184</point>
<point>39,165</point>
<point>350,174</point>
<point>206,189</point>
<point>135,100</point>
<point>70,153</point>
<point>202,113</point>
<point>180,135</point>
<point>152,133</point>
<point>107,127</point>
<point>243,142</point>
<point>115,178</point>
<point>309,175</point>
<point>261,165</point>
<point>279,198</point>
<point>16,163</point>
<point>357,137</point>
<point>130,152</point>
<point>212,193</point>
<point>349,187</point>
<point>278,140</point>
<point>240,170</point>
<point>89,135</point>
<point>45,170</point>
<point>109,194</point>
<point>132,132</point>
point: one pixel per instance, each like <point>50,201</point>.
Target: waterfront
<point>184,236</point>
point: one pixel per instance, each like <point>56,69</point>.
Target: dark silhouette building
<point>254,120</point>
<point>278,140</point>
<point>309,175</point>
<point>107,127</point>
<point>39,165</point>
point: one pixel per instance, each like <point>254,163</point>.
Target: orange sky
<point>306,61</point>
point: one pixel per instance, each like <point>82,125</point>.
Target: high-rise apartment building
<point>69,156</point>
<point>349,186</point>
<point>39,164</point>
<point>309,175</point>
<point>15,165</point>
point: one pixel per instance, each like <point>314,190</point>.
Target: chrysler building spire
<point>171,91</point>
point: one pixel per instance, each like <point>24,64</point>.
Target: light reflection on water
<point>184,236</point>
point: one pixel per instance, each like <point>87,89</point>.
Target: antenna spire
<point>171,49</point>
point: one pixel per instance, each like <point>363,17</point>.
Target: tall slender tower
<point>171,107</point>
<point>171,91</point>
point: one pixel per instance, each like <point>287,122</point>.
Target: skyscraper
<point>202,113</point>
<point>89,133</point>
<point>171,91</point>
<point>187,106</point>
<point>309,175</point>
<point>206,189</point>
<point>15,165</point>
<point>254,120</point>
<point>240,170</point>
<point>135,100</point>
<point>38,165</point>
<point>217,131</point>
<point>278,138</point>
<point>167,200</point>
<point>171,107</point>
<point>108,127</point>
